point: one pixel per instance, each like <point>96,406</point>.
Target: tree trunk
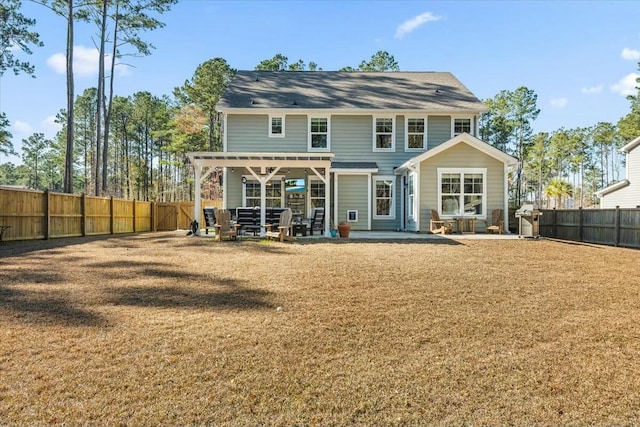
<point>103,30</point>
<point>107,110</point>
<point>68,158</point>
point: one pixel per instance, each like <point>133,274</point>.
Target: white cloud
<point>626,85</point>
<point>413,23</point>
<point>85,61</point>
<point>592,90</point>
<point>21,127</point>
<point>50,124</point>
<point>559,102</point>
<point>630,54</point>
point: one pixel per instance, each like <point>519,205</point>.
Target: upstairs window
<point>416,134</point>
<point>276,126</point>
<point>319,133</point>
<point>383,136</point>
<point>461,125</point>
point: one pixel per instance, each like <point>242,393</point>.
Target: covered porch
<point>261,167</point>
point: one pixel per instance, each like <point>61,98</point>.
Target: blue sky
<point>579,57</point>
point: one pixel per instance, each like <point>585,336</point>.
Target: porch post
<point>197,204</point>
<point>327,202</point>
<point>263,202</point>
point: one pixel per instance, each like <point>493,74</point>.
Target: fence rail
<point>614,227</point>
<point>34,214</point>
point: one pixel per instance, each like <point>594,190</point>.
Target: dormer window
<point>276,126</point>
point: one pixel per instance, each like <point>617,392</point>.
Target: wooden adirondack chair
<point>284,228</point>
<point>436,226</point>
<point>497,222</point>
<point>224,227</point>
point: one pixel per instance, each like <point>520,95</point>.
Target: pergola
<point>263,167</point>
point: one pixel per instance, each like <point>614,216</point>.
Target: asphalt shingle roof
<point>431,91</point>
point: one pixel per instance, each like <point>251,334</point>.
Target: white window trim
<point>453,125</point>
<point>311,180</point>
<point>276,116</point>
<point>318,116</point>
<point>253,179</point>
<point>413,215</point>
<point>394,186</point>
<point>406,134</point>
<point>463,171</point>
<point>393,134</point>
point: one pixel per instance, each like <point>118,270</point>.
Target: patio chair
<point>209,219</point>
<point>316,222</point>
<point>436,226</point>
<point>284,228</point>
<point>497,222</point>
<point>224,226</point>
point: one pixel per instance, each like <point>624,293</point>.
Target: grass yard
<point>164,329</point>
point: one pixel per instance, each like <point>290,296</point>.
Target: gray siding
<point>352,140</point>
<point>459,156</point>
<point>250,133</point>
<point>352,194</point>
<point>438,130</point>
<point>629,196</point>
<point>234,187</point>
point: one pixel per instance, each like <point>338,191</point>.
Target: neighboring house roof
<point>462,138</point>
<point>302,90</point>
<point>610,189</point>
<point>630,146</point>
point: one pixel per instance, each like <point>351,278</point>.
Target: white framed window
<point>384,195</point>
<point>276,126</point>
<point>461,124</point>
<point>316,193</point>
<point>415,134</point>
<point>411,196</point>
<point>462,192</point>
<point>274,192</point>
<point>384,138</point>
<point>319,133</point>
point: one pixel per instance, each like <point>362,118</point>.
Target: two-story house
<point>626,193</point>
<point>379,150</point>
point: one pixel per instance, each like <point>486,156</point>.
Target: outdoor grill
<point>529,221</point>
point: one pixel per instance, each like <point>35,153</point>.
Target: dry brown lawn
<point>164,329</point>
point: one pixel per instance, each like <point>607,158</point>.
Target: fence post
<point>580,225</point>
<point>134,215</point>
<point>47,215</point>
<point>554,226</point>
<point>152,224</point>
<point>83,212</point>
<point>111,217</point>
<point>616,224</point>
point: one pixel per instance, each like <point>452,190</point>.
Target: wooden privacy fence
<point>45,215</point>
<point>614,227</point>
<point>178,215</point>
